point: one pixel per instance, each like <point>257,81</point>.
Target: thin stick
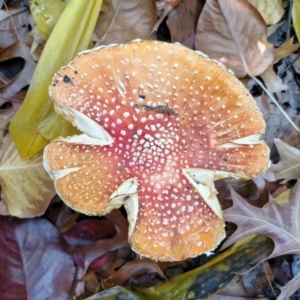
<point>263,263</point>
<point>269,94</point>
<point>12,21</point>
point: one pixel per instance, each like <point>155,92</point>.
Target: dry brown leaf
<point>122,21</point>
<point>278,222</point>
<point>236,285</point>
<point>166,6</point>
<point>36,43</point>
<point>8,34</point>
<point>182,22</point>
<point>289,165</point>
<point>273,82</point>
<point>17,50</point>
<point>264,106</point>
<point>272,29</point>
<point>271,10</point>
<point>229,30</point>
<point>286,49</point>
<point>134,268</point>
<point>26,188</point>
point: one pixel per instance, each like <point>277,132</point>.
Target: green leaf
<point>46,14</point>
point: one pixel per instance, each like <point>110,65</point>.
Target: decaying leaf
<point>279,222</point>
<point>263,105</point>
<point>21,74</point>
<point>134,268</point>
<point>229,30</point>
<point>273,82</point>
<point>125,20</point>
<point>286,49</point>
<point>201,282</point>
<point>271,10</point>
<point>165,6</point>
<point>181,31</point>
<point>33,262</point>
<point>36,43</point>
<point>289,165</point>
<point>10,34</point>
<point>26,188</point>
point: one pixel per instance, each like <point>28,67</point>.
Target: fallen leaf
<point>88,231</point>
<point>273,82</point>
<point>201,282</point>
<point>134,268</point>
<point>125,20</point>
<point>165,6</point>
<point>273,28</point>
<point>11,33</point>
<point>263,105</point>
<point>23,69</point>
<point>236,286</point>
<point>279,222</point>
<point>182,22</point>
<point>296,17</point>
<point>26,188</point>
<point>286,49</point>
<point>271,10</point>
<point>46,14</point>
<point>5,117</point>
<point>289,165</point>
<point>229,30</point>
<point>33,264</point>
<point>258,278</point>
<point>68,37</point>
<point>36,43</point>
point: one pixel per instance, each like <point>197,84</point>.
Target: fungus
<point>160,123</point>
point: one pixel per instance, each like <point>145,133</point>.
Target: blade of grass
<point>71,34</point>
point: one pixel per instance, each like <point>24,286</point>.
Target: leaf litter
<point>98,247</point>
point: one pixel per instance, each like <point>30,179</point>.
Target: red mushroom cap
<point>161,123</point>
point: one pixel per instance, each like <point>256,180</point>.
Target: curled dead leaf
<point>289,165</point>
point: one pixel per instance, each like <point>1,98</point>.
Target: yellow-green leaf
<point>71,34</point>
<point>46,14</point>
<point>296,18</point>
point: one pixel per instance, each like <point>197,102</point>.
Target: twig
<point>12,21</point>
<point>268,93</point>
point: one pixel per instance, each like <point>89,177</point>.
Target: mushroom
<point>160,123</point>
